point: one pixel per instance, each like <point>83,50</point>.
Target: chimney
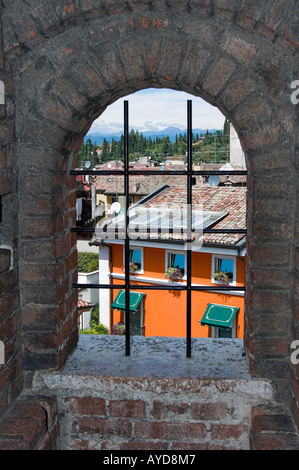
<point>237,158</point>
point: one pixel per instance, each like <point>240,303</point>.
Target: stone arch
<point>75,60</point>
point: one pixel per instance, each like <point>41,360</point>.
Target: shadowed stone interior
<point>158,358</point>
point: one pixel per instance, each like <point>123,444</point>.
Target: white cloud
<point>155,109</point>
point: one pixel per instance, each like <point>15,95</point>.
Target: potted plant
<point>221,277</point>
<point>134,267</point>
<point>174,273</point>
<point>118,329</point>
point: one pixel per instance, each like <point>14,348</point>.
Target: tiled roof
<point>145,184</point>
<point>221,199</point>
<point>83,304</point>
<point>138,184</point>
<point>234,179</point>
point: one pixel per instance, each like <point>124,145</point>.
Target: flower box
<point>134,267</point>
<point>174,273</point>
<point>222,278</point>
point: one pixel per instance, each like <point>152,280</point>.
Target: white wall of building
<point>104,294</point>
<point>237,157</point>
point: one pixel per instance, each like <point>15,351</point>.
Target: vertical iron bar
<point>189,223</point>
<point>127,241</point>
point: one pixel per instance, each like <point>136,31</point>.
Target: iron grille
<point>189,173</point>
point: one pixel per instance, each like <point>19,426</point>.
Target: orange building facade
<point>163,313</point>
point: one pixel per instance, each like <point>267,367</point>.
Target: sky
<point>157,109</point>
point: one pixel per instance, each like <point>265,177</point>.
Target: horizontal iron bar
<point>159,287</point>
<point>93,230</point>
<point>155,172</point>
<point>228,230</point>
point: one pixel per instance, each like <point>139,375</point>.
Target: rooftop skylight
<point>144,220</point>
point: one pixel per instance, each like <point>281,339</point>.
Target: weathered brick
<point>5,260</point>
<point>242,50</point>
<point>127,408</point>
<point>9,326</point>
<point>66,82</point>
<point>12,443</point>
<point>87,406</point>
<point>63,245</point>
<point>140,445</point>
<point>169,431</point>
<point>208,411</point>
<point>163,410</point>
<point>228,431</point>
<point>45,317</point>
<point>274,441</point>
<point>269,302</point>
<point>272,429</point>
<point>38,274</point>
<point>30,423</point>
<point>103,427</point>
<point>44,340</point>
<point>218,76</point>
<point>41,250</point>
<point>28,429</point>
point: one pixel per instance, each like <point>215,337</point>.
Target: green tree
<point>105,153</point>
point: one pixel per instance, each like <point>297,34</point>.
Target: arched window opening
<point>167,220</point>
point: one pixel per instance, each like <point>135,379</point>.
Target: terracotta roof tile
<point>220,199</point>
<point>83,304</point>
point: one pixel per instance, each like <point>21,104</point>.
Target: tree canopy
<point>208,147</point>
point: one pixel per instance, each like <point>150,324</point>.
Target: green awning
<point>120,301</point>
<point>219,315</point>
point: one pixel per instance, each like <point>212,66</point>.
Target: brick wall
<point>103,407</point>
<point>31,424</point>
<point>294,373</point>
<point>160,425</point>
<point>11,373</point>
<point>61,69</point>
<point>61,91</point>
<point>116,413</point>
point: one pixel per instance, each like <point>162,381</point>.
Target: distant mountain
<point>169,131</point>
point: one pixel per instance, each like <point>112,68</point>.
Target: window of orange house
<point>176,261</point>
<point>224,270</point>
<point>136,260</point>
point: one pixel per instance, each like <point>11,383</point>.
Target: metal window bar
<point>188,287</point>
<point>127,240</point>
<point>189,226</point>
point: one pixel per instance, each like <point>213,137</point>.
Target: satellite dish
<point>116,207</point>
<point>214,180</point>
<point>87,165</point>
